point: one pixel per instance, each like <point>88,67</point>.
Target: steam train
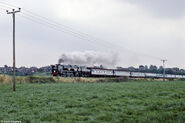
<point>83,71</point>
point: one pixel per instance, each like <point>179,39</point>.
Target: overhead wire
<point>86,36</point>
<point>50,26</point>
<point>74,33</point>
<point>91,40</point>
<point>71,30</point>
<point>67,29</point>
<point>61,29</point>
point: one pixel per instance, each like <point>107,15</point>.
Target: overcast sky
<point>138,31</point>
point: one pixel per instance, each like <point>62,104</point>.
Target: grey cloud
<point>162,8</point>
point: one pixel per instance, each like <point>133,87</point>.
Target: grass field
<point>94,102</point>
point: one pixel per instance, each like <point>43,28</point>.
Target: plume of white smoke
<point>89,58</point>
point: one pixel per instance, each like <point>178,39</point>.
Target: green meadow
<point>112,102</point>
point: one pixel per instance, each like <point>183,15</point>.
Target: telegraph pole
<point>163,60</point>
<point>13,12</point>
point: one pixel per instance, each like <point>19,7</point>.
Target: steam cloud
<point>89,58</point>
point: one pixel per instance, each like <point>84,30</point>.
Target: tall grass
<point>5,79</point>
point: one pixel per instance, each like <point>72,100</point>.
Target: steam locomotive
<point>83,71</point>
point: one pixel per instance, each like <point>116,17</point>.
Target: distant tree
<point>169,71</point>
<point>153,69</point>
<point>141,68</point>
<point>160,70</point>
<point>146,67</point>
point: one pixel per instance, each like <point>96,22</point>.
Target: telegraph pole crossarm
<point>13,12</point>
